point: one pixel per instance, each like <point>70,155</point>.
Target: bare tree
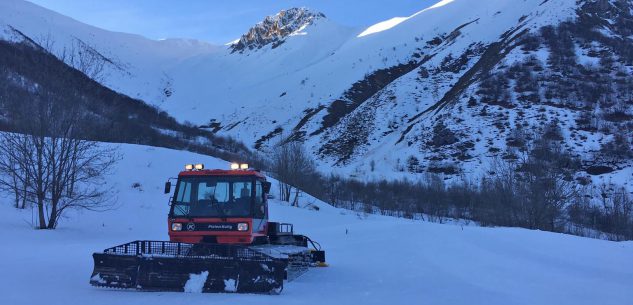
<point>13,171</point>
<point>49,165</point>
<point>293,167</point>
<point>77,169</point>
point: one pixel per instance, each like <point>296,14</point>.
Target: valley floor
<point>373,259</point>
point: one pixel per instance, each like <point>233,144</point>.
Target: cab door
<point>260,208</point>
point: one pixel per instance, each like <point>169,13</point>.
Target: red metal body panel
<point>222,237</point>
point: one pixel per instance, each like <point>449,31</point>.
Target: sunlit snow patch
<point>382,26</point>
<point>388,24</point>
<point>196,282</point>
<point>300,31</point>
<point>230,43</point>
<point>440,4</point>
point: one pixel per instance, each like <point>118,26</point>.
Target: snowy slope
<point>314,66</point>
<point>251,94</point>
<point>134,65</point>
<point>353,95</point>
<point>381,259</point>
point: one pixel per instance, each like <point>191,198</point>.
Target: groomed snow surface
<point>373,259</point>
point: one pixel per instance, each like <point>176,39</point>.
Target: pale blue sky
<point>218,21</point>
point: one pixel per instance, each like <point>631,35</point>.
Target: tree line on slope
<point>539,190</point>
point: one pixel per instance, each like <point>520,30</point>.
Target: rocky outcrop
<point>274,29</point>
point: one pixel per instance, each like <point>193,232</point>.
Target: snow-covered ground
<point>381,260</point>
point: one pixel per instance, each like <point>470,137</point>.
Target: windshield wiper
<point>181,209</point>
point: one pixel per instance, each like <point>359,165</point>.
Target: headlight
<point>242,226</point>
<point>176,226</point>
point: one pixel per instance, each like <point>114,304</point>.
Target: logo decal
<point>222,226</point>
<point>191,226</point>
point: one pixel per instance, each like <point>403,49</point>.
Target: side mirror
<point>167,187</point>
<point>266,187</point>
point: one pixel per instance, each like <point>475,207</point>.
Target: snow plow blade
<point>172,266</point>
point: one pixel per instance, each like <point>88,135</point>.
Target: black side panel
<point>114,271</point>
<point>224,275</point>
<point>230,268</point>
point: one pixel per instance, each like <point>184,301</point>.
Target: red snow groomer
<point>218,226</point>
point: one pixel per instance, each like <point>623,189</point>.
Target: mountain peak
<point>275,28</point>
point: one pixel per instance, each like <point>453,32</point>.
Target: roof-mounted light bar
<point>242,166</point>
<point>198,167</point>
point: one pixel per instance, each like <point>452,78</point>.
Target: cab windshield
<point>216,197</point>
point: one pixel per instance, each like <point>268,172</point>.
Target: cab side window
<point>260,210</point>
<point>183,199</point>
<point>184,192</point>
